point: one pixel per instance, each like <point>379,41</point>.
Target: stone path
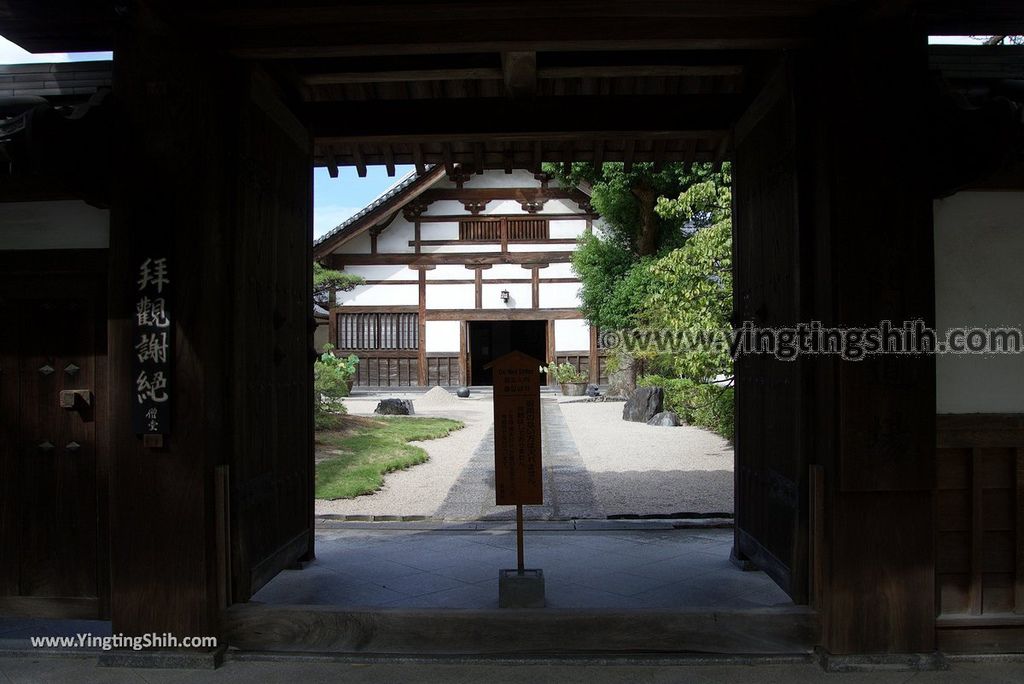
<point>568,488</point>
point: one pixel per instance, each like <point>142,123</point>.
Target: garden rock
<point>643,404</point>
<point>593,391</point>
<point>394,407</point>
<point>664,419</point>
<point>462,392</point>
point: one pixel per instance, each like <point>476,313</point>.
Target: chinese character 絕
<point>153,272</point>
<point>151,312</point>
<point>152,347</point>
<point>151,388</point>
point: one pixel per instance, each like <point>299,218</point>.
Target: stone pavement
<point>568,489</point>
<point>625,568</point>
<point>312,669</point>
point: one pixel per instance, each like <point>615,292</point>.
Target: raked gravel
<point>635,468</point>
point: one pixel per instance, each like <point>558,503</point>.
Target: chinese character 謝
<point>152,347</point>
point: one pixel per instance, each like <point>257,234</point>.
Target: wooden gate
<point>771,463</point>
<point>52,462</point>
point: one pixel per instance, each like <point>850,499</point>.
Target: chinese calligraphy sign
<point>518,473</point>
<point>152,348</point>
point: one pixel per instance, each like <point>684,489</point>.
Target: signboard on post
<point>518,472</point>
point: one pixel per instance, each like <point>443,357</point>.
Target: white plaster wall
<point>559,295</point>
<point>506,206</point>
<point>446,230</point>
<point>572,228</point>
<point>979,247</point>
<point>395,272</point>
<point>64,224</point>
<point>442,336</point>
<point>321,336</point>
<point>449,272</point>
<point>572,335</point>
<point>360,244</point>
<point>498,271</point>
<point>560,206</point>
<point>520,295</point>
<point>381,295</point>
<point>451,296</point>
<point>445,208</point>
<point>462,248</point>
<point>396,237</point>
<point>558,270</point>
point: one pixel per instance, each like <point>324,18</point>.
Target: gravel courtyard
<point>595,464</point>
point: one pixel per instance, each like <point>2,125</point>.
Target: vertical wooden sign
<point>152,349</point>
<point>518,474</point>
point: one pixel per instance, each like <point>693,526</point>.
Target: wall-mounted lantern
<point>504,296</point>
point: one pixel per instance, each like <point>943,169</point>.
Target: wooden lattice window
<point>489,230</point>
<point>378,331</point>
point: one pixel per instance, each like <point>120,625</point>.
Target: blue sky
<point>335,199</point>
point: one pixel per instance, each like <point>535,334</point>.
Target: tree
<point>326,281</point>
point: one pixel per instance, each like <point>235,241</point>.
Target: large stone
<point>593,391</point>
<point>463,392</point>
<point>394,407</point>
<point>664,419</point>
<point>644,403</point>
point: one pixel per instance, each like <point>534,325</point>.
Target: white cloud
<point>328,216</point>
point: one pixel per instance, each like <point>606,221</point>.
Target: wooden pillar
<point>211,170</point>
<point>552,354</point>
<point>535,287</point>
<point>421,351</point>
<point>871,250</point>
<point>464,353</point>
<point>594,364</point>
<point>478,287</point>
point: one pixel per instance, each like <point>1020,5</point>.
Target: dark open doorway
<point>489,340</point>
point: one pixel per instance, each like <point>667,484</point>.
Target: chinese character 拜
<point>151,312</point>
<point>151,388</point>
<point>152,347</point>
<point>153,272</point>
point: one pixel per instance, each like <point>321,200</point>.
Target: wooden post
<point>520,556</point>
<point>421,350</point>
<point>594,367</point>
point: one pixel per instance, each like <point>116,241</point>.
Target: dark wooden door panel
<point>771,464</point>
<point>50,517</point>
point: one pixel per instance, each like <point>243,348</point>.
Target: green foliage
<point>371,451</point>
<point>606,295</point>
<point>565,372</point>
<point>325,280</point>
<point>705,405</point>
<point>331,376</point>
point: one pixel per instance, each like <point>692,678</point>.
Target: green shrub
<point>705,405</point>
<point>565,372</point>
<point>331,376</point>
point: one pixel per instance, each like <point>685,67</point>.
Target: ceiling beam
<point>475,119</point>
<point>519,70</point>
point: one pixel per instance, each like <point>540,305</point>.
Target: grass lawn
<point>362,450</point>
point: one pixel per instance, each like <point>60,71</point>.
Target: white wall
<point>451,296</point>
<point>979,250</point>
<point>64,224</point>
<point>381,295</point>
<point>442,336</point>
<point>572,335</point>
<point>395,272</point>
<point>520,295</point>
<point>559,295</point>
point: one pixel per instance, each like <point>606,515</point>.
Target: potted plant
<point>569,378</point>
<point>345,367</point>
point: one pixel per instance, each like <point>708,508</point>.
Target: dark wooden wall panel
<point>980,544</point>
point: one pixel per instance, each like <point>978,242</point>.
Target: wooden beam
<point>449,161</point>
<point>441,258</point>
<point>659,155</point>
<point>538,241</point>
<point>640,71</point>
<point>470,281</point>
<point>628,150</point>
<point>389,159</point>
<point>360,161</point>
<point>502,314</point>
<point>598,153</point>
<point>455,218</point>
<point>519,70</point>
<point>402,75</point>
<point>464,364</point>
<point>421,348</point>
<point>478,157</point>
<point>542,117</point>
<point>535,288</point>
<point>332,163</point>
<point>478,288</point>
<point>417,155</point>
